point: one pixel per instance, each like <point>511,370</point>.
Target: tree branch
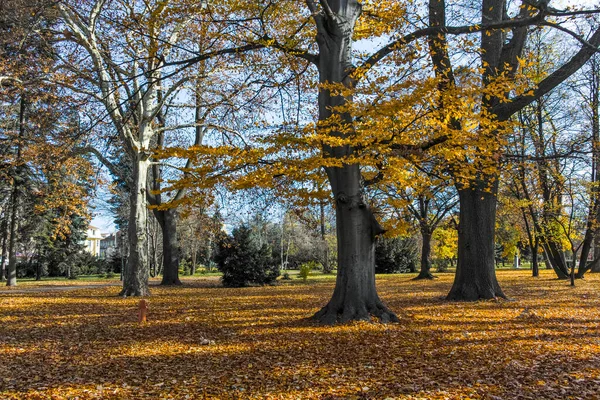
<point>506,110</point>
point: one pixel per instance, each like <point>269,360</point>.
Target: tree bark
<point>475,273</point>
<point>168,223</point>
<point>425,272</point>
<point>355,296</point>
<point>535,268</point>
<point>586,248</point>
<point>135,279</point>
<point>326,266</point>
<point>4,255</point>
<point>556,258</point>
<point>596,267</point>
<point>194,255</point>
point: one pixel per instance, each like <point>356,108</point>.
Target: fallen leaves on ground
<point>203,341</point>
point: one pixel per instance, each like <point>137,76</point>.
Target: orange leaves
<point>202,340</point>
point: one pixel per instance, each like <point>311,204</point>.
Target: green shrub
<point>184,267</point>
<point>243,260</point>
<point>306,268</point>
<point>395,255</point>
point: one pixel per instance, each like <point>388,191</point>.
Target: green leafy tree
<point>395,255</point>
<point>243,260</point>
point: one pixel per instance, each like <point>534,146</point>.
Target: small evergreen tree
<point>395,255</point>
<point>243,260</point>
<point>60,255</point>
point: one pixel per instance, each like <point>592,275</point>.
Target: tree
<point>445,244</point>
<point>243,260</point>
<point>19,46</point>
<point>500,60</point>
<point>397,254</point>
<point>590,92</point>
<point>135,90</point>
<point>427,201</point>
<point>367,129</point>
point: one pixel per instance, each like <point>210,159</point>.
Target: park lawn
<point>84,280</point>
<point>91,280</point>
<point>203,341</point>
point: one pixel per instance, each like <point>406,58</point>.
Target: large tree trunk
<point>425,272</point>
<point>475,273</point>
<point>355,296</point>
<point>168,224</point>
<point>135,279</point>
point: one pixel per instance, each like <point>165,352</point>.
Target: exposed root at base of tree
<point>427,275</point>
<point>475,294</point>
<point>131,292</point>
<point>330,315</point>
<point>171,283</point>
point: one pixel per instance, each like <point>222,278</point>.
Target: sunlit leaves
<point>88,343</point>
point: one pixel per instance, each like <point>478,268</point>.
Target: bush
<point>244,261</point>
<point>394,255</point>
<point>185,267</point>
<point>115,262</point>
<point>442,264</point>
<point>306,268</point>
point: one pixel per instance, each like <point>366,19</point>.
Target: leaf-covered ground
<point>203,341</point>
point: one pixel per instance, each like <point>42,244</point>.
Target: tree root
<point>134,292</point>
<point>474,294</point>
<point>427,275</point>
<point>176,282</point>
<point>330,315</point>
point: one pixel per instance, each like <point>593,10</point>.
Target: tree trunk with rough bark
<point>586,249</point>
<point>535,268</point>
<point>135,279</point>
<point>425,272</point>
<point>475,273</point>
<point>168,223</point>
<point>556,259</point>
<point>355,296</point>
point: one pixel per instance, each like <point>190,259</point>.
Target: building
<point>92,241</point>
<point>109,245</point>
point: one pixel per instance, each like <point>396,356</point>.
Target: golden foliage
<point>88,344</point>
